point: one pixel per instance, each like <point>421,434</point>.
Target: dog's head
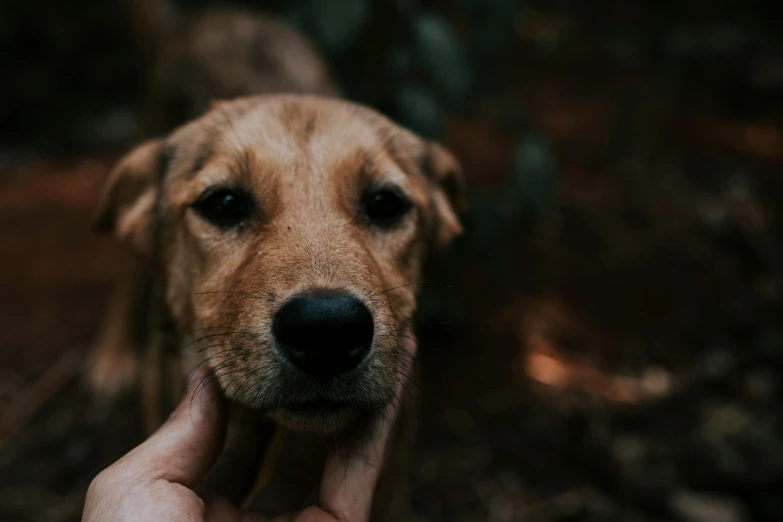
<point>291,232</point>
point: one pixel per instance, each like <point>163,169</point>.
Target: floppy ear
<point>448,193</point>
<point>128,198</point>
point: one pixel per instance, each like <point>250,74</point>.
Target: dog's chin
<point>318,416</point>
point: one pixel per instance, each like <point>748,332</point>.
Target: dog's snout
<point>324,333</point>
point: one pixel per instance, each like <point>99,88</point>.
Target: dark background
<point>614,344</point>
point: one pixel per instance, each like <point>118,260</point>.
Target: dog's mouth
<point>316,407</point>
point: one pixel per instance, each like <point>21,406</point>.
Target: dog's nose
<point>324,333</point>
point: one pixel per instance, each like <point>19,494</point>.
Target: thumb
<point>185,447</point>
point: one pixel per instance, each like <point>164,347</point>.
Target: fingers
<point>184,448</point>
<point>349,482</point>
<point>236,469</point>
<point>299,464</point>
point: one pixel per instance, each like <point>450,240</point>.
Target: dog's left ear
<point>128,198</point>
<point>449,199</point>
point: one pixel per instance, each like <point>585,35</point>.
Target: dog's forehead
<point>318,130</point>
<point>294,139</point>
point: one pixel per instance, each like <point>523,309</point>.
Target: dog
<point>217,53</point>
<point>191,59</point>
<point>283,236</point>
<point>155,337</point>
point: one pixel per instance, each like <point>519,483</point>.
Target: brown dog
<point>283,236</point>
<point>192,59</point>
<point>216,54</point>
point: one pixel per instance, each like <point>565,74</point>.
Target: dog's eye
<point>386,207</point>
<point>224,208</point>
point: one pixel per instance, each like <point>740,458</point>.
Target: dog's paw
<point>111,370</point>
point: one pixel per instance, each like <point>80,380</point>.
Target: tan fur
<point>306,161</point>
<point>192,59</point>
<point>223,54</point>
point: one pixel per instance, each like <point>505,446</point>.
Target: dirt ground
<point>620,360</point>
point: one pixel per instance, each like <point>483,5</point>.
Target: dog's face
<point>291,233</point>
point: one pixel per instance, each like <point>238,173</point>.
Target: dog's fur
<point>306,162</point>
<point>215,54</point>
<point>195,295</point>
<point>191,60</point>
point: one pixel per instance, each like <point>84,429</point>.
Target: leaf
<point>442,56</point>
<point>337,24</point>
<point>419,109</point>
<point>533,176</point>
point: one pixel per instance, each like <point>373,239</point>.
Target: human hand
<point>192,467</point>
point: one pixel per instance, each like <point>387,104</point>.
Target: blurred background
<point>610,344</point>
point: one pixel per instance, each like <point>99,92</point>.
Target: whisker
<point>225,359</point>
<point>410,338</point>
<point>415,393</point>
<point>399,412</point>
<point>210,357</point>
<point>238,385</point>
<point>401,357</point>
<point>204,381</point>
<point>215,376</point>
<point>214,370</point>
<point>407,379</point>
<point>192,373</point>
<point>413,340</point>
<point>214,373</point>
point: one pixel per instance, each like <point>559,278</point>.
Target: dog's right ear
<point>128,199</point>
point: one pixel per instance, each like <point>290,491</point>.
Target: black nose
<point>324,333</point>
